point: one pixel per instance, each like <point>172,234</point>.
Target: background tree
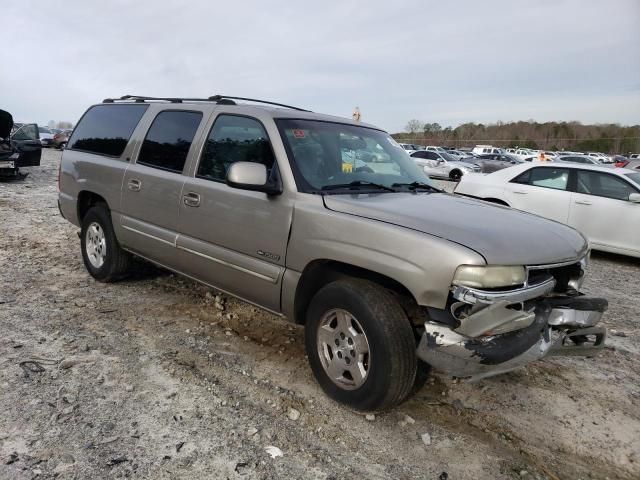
<point>414,126</point>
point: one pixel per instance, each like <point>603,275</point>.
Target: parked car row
<point>602,203</point>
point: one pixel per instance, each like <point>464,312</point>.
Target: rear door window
<point>169,139</point>
<point>106,129</point>
<point>603,185</point>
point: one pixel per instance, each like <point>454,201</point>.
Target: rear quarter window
<point>106,129</point>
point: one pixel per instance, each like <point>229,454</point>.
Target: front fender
<point>422,263</point>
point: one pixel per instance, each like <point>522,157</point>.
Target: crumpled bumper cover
<point>562,325</point>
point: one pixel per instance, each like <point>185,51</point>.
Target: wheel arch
<point>321,272</point>
<point>86,200</point>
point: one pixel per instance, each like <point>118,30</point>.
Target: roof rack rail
<point>219,99</point>
<point>140,99</point>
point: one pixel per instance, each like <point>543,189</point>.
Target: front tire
<point>455,175</point>
<point>101,252</point>
<point>360,345</point>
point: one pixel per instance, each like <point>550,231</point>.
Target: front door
<point>152,186</point>
<point>27,141</point>
<point>541,190</point>
<point>235,239</point>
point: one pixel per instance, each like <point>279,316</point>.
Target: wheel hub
<point>343,349</point>
<point>95,245</point>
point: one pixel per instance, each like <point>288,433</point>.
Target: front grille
<point>562,275</point>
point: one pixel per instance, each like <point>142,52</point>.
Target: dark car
<point>491,162</point>
<point>19,147</point>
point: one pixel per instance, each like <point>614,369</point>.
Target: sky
<point>448,62</point>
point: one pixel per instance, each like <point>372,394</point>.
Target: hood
<point>501,235</point>
<point>6,124</point>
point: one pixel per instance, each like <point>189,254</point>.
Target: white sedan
<point>600,202</point>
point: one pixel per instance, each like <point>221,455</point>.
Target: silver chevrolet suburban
<point>329,223</point>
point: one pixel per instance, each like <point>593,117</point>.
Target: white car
<point>409,147</point>
<point>601,157</point>
<point>600,202</point>
<point>443,165</point>
<point>480,149</point>
<point>524,153</point>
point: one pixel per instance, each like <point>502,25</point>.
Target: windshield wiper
<point>417,185</point>
<point>355,185</point>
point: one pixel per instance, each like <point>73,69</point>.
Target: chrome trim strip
<point>173,244</point>
<point>211,285</point>
<point>231,265</point>
<point>554,265</point>
<point>473,295</point>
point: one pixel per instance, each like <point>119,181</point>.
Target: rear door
<point>235,239</point>
<point>27,141</point>
<point>601,210</point>
<point>152,186</point>
<point>541,190</point>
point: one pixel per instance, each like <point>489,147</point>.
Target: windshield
<point>324,155</point>
<point>635,177</point>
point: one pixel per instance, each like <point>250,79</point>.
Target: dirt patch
<point>147,378</point>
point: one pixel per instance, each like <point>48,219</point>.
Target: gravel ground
<point>159,377</point>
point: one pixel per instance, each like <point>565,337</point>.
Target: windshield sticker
<point>347,167</point>
<point>298,133</point>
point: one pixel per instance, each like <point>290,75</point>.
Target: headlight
<point>15,156</point>
<point>476,276</point>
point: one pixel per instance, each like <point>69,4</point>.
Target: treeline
<point>608,138</point>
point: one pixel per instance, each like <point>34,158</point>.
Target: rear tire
<point>372,321</point>
<point>101,252</point>
<point>455,175</point>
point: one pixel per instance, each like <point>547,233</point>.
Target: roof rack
<point>219,99</point>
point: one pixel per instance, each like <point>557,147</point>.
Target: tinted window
<point>168,141</point>
<point>420,154</point>
<point>432,156</point>
<point>556,178</point>
<point>603,185</point>
<point>234,139</point>
<point>106,129</point>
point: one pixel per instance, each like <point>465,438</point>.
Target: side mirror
<point>634,197</point>
<point>252,176</point>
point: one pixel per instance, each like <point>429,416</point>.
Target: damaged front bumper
<point>496,332</point>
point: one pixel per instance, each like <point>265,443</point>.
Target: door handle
<point>520,192</point>
<point>583,202</point>
<point>134,185</point>
<point>191,199</point>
